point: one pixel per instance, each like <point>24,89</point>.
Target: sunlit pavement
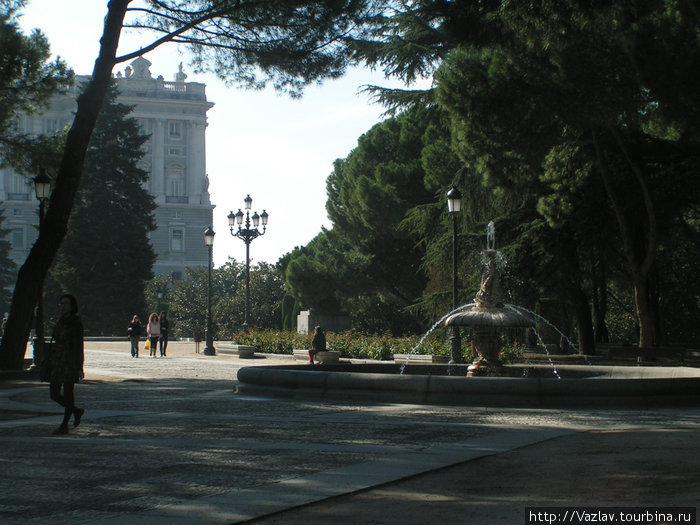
<point>166,440</point>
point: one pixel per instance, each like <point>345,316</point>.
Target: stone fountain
<point>516,385</point>
<point>489,317</point>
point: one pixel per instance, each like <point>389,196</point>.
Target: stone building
<point>174,114</point>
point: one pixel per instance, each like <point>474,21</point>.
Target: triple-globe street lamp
<point>208,337</point>
<point>454,207</point>
<point>247,234</point>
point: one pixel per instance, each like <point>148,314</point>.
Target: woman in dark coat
<point>318,343</point>
<point>163,339</point>
<point>134,331</point>
<point>66,356</point>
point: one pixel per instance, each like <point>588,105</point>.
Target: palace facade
<point>174,115</point>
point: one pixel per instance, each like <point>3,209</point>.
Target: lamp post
<point>159,295</point>
<point>454,206</point>
<point>42,189</point>
<point>209,342</point>
<point>247,235</point>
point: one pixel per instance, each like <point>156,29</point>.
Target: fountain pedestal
<point>487,345</point>
<point>489,317</point>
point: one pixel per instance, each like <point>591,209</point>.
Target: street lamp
<point>209,342</point>
<point>159,295</point>
<point>454,206</point>
<point>42,189</point>
<point>247,234</point>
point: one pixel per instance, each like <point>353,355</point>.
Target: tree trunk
<point>640,265</point>
<point>600,299</point>
<point>645,312</point>
<point>55,224</point>
<point>582,313</point>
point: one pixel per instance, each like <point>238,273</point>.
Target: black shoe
<point>63,429</point>
<point>77,416</point>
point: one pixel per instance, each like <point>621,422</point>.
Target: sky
<point>277,149</point>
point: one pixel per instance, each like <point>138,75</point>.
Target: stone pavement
<point>168,441</point>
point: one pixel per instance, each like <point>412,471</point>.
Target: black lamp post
<point>454,206</point>
<point>159,295</point>
<point>209,342</point>
<point>247,234</point>
<point>42,189</point>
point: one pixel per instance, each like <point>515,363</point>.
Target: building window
<point>17,212</point>
<point>17,239</point>
<point>18,125</point>
<point>177,240</point>
<point>50,126</point>
<point>175,130</point>
<point>177,215</point>
<point>174,151</point>
<point>18,188</point>
<point>175,186</point>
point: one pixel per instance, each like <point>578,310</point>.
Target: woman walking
<point>153,332</point>
<point>64,361</point>
<point>164,325</point>
<point>134,331</point>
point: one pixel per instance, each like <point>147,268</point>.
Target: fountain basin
<point>580,386</point>
<point>483,317</point>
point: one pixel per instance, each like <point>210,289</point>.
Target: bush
<point>350,344</point>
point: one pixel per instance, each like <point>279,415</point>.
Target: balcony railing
<point>180,199</point>
<point>18,196</point>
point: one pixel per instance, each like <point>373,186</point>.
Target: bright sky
<point>278,150</point>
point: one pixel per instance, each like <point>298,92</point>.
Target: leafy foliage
<point>369,259</point>
<point>106,257</point>
<point>351,344</point>
<point>7,268</point>
<point>27,81</point>
<point>289,43</point>
<point>186,299</point>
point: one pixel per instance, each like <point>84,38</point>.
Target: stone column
<point>196,161</point>
<point>158,158</point>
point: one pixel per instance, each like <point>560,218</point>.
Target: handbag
<point>45,363</point>
<point>147,346</point>
<point>55,364</point>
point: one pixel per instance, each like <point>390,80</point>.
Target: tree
<point>368,251</point>
<point>287,42</point>
<point>27,81</point>
<point>187,298</point>
<point>601,83</point>
<point>618,136</point>
<point>106,257</point>
<point>7,268</point>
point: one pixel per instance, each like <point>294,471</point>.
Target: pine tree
<point>106,257</point>
<point>8,269</point>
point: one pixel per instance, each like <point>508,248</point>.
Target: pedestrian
<point>134,332</point>
<point>318,343</point>
<point>63,366</point>
<point>2,326</point>
<point>153,332</point>
<point>163,340</point>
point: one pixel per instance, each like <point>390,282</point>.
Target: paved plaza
<point>167,440</point>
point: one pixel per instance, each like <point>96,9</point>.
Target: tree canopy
<point>27,81</point>
<point>288,43</point>
<point>107,257</point>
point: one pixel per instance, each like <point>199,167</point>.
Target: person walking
<point>63,364</point>
<point>318,343</point>
<point>153,332</point>
<point>134,331</point>
<point>163,340</point>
